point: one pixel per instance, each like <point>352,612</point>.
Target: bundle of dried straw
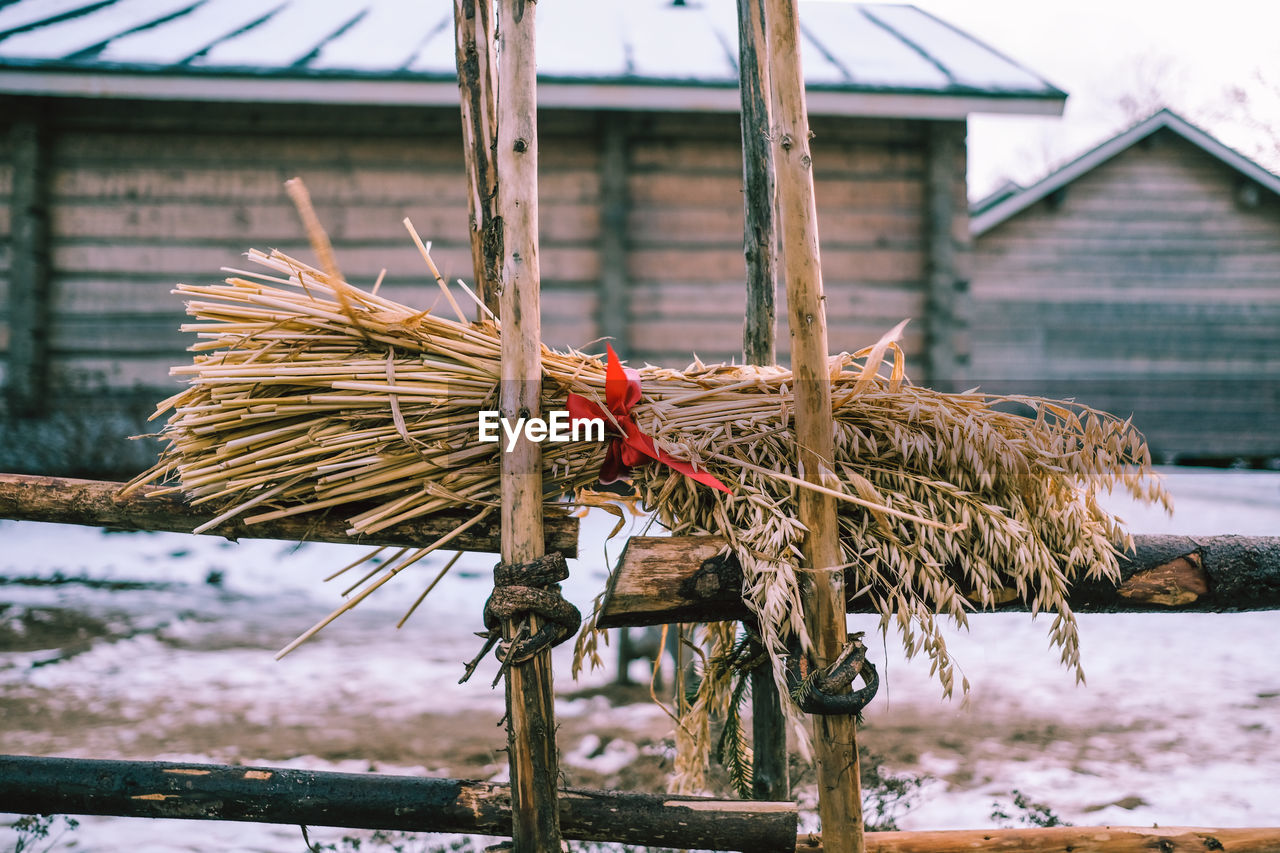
<point>307,393</point>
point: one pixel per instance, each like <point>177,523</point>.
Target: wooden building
<point>1144,278</point>
<point>145,143</point>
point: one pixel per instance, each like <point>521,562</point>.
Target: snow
<point>1177,723</point>
<point>820,58</point>
<point>1183,707</point>
<point>387,37</point>
<point>285,39</point>
<point>581,38</point>
<point>183,38</point>
<point>593,754</point>
<point>654,40</point>
<point>668,42</point>
<point>26,12</point>
<point>85,31</point>
<point>436,54</point>
<point>872,54</point>
<point>967,60</point>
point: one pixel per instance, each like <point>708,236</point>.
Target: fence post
<point>531,729</point>
<point>473,38</point>
<point>839,795</point>
<point>770,779</point>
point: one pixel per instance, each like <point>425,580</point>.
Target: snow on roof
<point>1004,203</point>
<point>871,58</point>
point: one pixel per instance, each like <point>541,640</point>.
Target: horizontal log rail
<point>670,579</point>
<point>1070,839</point>
<point>98,503</point>
<point>31,785</point>
<point>35,785</point>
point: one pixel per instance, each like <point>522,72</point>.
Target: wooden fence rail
<point>32,785</point>
<point>1070,839</point>
<point>97,503</point>
<point>665,579</point>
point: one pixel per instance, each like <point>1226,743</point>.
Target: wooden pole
<point>473,38</point>
<point>155,789</point>
<point>770,776</point>
<point>760,238</point>
<point>530,707</point>
<point>98,503</point>
<point>836,749</point>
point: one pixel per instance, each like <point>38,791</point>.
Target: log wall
<point>685,224</point>
<point>1147,287</point>
<point>139,207</point>
<point>6,241</point>
<point>145,195</point>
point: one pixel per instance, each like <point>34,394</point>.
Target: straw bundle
<point>307,394</point>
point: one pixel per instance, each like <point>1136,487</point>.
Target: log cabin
<point>145,142</point>
<point>1142,278</point>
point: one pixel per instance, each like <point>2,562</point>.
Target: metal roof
<point>859,58</point>
<point>988,216</point>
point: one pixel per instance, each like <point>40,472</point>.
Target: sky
<point>1189,55</point>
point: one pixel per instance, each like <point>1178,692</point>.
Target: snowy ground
<point>149,660</point>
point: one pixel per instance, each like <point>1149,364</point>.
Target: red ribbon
<point>630,447</point>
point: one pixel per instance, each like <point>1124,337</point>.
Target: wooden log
<point>531,729</point>
<point>1202,573</point>
<point>473,40</point>
<point>1069,839</point>
<point>661,580</point>
<point>98,503</point>
<point>155,789</point>
<point>822,589</point>
<point>664,579</point>
<point>29,295</point>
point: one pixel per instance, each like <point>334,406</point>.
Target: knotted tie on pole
<point>823,691</point>
<point>519,590</point>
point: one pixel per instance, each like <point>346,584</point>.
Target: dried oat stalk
<point>309,394</point>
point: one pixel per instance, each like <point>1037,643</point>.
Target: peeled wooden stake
<point>531,728</point>
<point>836,748</point>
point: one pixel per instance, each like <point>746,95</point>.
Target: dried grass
<point>309,394</point>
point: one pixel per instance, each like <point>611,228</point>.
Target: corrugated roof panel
<point>674,43</point>
<point>820,66</point>
<point>817,67</point>
<point>872,55</point>
<point>186,36</point>
<point>69,37</point>
<point>634,49</point>
<point>436,54</point>
<point>386,39</point>
<point>27,12</point>
<point>580,38</point>
<point>969,62</point>
<point>285,39</point>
